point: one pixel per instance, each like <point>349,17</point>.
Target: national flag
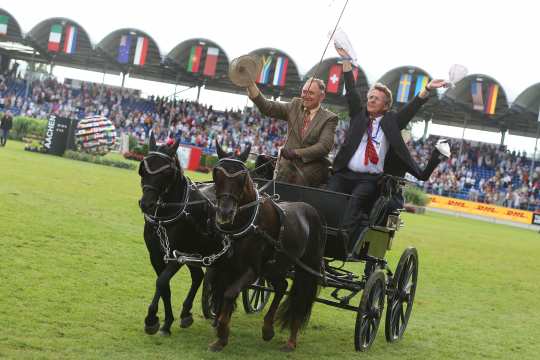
<point>189,157</point>
<point>280,73</point>
<point>421,82</point>
<point>264,75</point>
<point>124,48</point>
<point>70,39</point>
<point>194,60</point>
<point>476,92</point>
<point>333,78</point>
<point>54,38</point>
<point>491,102</point>
<point>140,51</point>
<point>212,54</point>
<point>404,88</point>
<point>4,19</point>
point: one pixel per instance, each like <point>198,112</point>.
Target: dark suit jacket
<point>398,159</point>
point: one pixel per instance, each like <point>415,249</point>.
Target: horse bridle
<point>172,164</point>
<point>243,171</point>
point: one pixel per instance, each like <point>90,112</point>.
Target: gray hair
<point>383,88</point>
<point>318,81</point>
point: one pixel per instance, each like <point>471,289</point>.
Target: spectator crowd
<point>476,171</point>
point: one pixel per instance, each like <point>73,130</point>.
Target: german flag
<point>491,102</point>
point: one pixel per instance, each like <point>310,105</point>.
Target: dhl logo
<point>485,208</point>
<point>514,213</point>
<point>456,203</point>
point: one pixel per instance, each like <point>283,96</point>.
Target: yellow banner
<point>471,207</point>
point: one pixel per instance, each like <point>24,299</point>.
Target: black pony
<point>268,241</point>
<point>175,231</point>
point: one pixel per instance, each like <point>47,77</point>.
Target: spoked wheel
<point>400,303</point>
<point>255,299</point>
<point>370,311</point>
<point>208,306</point>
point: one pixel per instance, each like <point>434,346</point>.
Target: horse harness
<point>159,222</point>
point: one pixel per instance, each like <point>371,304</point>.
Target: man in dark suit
<point>374,145</point>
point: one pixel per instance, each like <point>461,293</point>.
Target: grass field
<point>76,280</point>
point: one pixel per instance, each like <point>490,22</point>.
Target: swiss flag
<point>334,75</point>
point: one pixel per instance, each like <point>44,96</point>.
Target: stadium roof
<point>204,69</point>
<point>78,52</point>
<point>522,118</point>
<point>455,107</point>
<point>414,79</point>
<point>277,83</point>
<point>119,52</point>
<point>326,72</point>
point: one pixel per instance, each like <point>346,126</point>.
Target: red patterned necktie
<point>306,122</point>
<point>371,152</point>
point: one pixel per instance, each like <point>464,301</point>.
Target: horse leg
<point>224,318</point>
<point>163,284</point>
<point>151,321</point>
<point>197,275</point>
<point>280,286</point>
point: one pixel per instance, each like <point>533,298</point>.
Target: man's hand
<point>433,84</point>
<point>437,83</point>
<point>252,90</point>
<point>346,58</point>
<point>289,154</point>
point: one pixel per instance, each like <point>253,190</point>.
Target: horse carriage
<point>331,268</point>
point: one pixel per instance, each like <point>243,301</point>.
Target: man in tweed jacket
<point>310,133</point>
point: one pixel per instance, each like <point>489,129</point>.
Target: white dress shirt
<point>381,144</point>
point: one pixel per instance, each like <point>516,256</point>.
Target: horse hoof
<point>268,333</point>
<point>152,328</point>
<point>164,333</point>
<point>216,346</point>
<point>186,322</point>
<point>288,347</point>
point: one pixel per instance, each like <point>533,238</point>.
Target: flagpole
<point>535,145</point>
<point>463,134</point>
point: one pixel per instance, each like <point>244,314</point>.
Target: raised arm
<point>353,97</point>
<point>267,107</point>
<point>406,114</point>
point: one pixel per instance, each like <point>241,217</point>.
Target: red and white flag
<point>189,156</point>
<point>212,54</point>
<point>334,75</point>
<point>140,51</point>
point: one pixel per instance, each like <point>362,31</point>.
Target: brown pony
<point>268,240</point>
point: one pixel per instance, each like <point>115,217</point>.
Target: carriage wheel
<point>370,311</point>
<point>254,300</point>
<point>403,288</point>
<point>208,306</point>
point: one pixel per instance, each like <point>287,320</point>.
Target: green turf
<point>76,280</point>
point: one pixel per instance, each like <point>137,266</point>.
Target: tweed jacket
<point>312,167</point>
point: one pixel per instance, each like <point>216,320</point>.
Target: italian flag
<point>54,38</point>
<point>212,54</point>
<point>70,39</point>
<point>194,60</point>
<point>140,51</point>
<point>3,24</point>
